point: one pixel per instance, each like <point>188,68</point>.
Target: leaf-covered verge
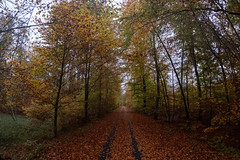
<point>154,140</point>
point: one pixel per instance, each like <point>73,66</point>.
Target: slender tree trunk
<point>229,21</point>
<point>166,97</point>
<point>234,29</point>
<point>235,80</point>
<point>100,91</point>
<point>194,61</point>
<point>223,72</point>
<point>196,72</point>
<point>210,85</point>
<point>100,98</point>
<point>188,105</point>
<point>175,71</point>
<point>71,78</point>
<point>182,59</point>
<point>86,92</point>
<point>56,105</point>
<point>174,99</point>
<point>210,94</point>
<point>205,84</point>
<point>217,58</point>
<point>157,78</point>
<point>218,36</point>
<point>86,82</point>
<point>225,83</point>
<point>106,95</point>
<point>144,92</point>
<point>13,113</point>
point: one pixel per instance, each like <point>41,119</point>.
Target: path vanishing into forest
<point>126,135</point>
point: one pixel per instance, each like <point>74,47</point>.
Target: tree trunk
<point>56,105</point>
<point>173,92</point>
<point>13,113</point>
<point>157,78</point>
<point>210,85</point>
<point>86,92</point>
<point>100,97</point>
<point>175,71</point>
<point>217,58</point>
<point>229,21</point>
<point>182,59</point>
<point>100,89</point>
<point>194,61</point>
<point>223,72</point>
<point>144,92</point>
<point>166,97</point>
<point>188,105</point>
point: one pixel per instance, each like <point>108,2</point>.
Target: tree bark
<point>86,92</point>
<point>144,92</point>
<point>100,97</point>
<point>217,58</point>
<point>56,105</point>
<point>182,59</point>
<point>173,92</point>
<point>194,61</point>
<point>157,78</point>
<point>175,71</point>
<point>187,89</point>
<point>166,97</point>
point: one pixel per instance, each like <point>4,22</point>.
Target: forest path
<point>125,135</point>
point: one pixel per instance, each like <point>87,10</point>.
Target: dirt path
<point>125,135</point>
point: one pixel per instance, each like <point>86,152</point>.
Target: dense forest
<point>67,63</point>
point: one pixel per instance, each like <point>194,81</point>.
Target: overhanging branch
<point>23,27</point>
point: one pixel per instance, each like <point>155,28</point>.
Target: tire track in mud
<point>121,137</point>
<point>122,146</point>
<point>136,153</point>
<point>125,135</point>
<point>106,152</point>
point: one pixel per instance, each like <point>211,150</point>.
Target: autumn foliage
<point>175,61</point>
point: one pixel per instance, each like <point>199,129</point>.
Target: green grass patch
<point>22,129</point>
<point>21,139</point>
<point>218,144</point>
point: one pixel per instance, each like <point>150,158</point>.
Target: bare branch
<point>29,26</point>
